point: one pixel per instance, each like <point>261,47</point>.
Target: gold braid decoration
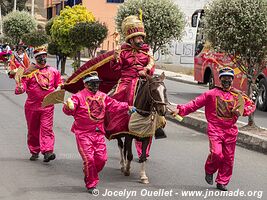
<point>151,60</point>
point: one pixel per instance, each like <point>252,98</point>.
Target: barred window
<point>72,2</point>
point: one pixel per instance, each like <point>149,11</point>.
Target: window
<point>72,2</point>
<point>115,1</point>
<point>49,13</point>
<point>58,8</point>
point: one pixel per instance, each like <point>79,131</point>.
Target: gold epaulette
<point>30,74</point>
<point>236,92</point>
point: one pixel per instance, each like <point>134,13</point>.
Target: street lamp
<point>15,5</point>
<point>32,7</point>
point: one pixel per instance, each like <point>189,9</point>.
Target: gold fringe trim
<point>30,75</point>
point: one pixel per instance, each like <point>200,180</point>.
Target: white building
<point>182,53</point>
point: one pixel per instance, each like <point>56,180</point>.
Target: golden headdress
<point>39,51</point>
<point>132,26</point>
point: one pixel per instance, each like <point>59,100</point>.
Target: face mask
<point>41,60</point>
<point>226,84</point>
<point>93,87</point>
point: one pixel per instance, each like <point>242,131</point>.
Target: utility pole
<point>15,5</point>
<point>32,7</point>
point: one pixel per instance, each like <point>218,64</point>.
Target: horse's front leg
<point>122,161</point>
<point>142,160</point>
<point>128,154</point>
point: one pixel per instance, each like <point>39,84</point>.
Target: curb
<point>181,80</point>
<point>197,121</point>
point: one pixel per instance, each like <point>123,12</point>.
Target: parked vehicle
<point>207,63</point>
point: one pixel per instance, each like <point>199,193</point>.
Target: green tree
<point>18,23</point>
<point>62,24</point>
<point>8,6</point>
<point>238,28</point>
<point>35,38</point>
<point>61,27</point>
<point>54,48</point>
<point>163,20</point>
<point>89,35</point>
<point>49,25</point>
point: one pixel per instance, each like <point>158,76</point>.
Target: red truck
<point>207,63</point>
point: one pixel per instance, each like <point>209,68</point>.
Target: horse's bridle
<point>150,95</point>
<point>154,102</point>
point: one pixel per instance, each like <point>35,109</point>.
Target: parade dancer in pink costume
<point>88,107</point>
<point>223,106</point>
<point>37,82</point>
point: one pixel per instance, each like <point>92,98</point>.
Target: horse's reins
<point>153,100</point>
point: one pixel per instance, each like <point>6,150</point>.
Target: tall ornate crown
<point>132,26</point>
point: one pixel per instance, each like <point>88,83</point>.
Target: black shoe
<point>221,187</point>
<point>209,178</point>
<point>49,156</point>
<point>34,157</point>
<point>93,191</point>
<point>160,134</point>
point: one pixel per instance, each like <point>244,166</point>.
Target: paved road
<point>176,163</point>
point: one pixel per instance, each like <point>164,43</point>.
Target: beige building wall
<point>52,7</point>
<point>104,12</point>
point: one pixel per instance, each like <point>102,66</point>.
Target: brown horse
<point>151,99</point>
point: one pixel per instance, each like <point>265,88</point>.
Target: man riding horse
<point>134,61</point>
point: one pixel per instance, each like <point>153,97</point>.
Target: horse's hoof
<point>145,181</point>
<point>126,173</point>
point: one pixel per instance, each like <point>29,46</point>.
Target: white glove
<point>70,104</point>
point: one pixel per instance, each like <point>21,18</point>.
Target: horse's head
<point>157,93</point>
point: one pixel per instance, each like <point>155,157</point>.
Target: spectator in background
<point>18,59</point>
<point>58,58</point>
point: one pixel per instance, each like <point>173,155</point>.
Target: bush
<point>89,35</point>
<point>35,39</point>
<point>18,23</point>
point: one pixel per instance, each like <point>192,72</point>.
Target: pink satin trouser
<point>221,158</point>
<point>40,130</point>
<point>138,145</point>
<point>92,149</point>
